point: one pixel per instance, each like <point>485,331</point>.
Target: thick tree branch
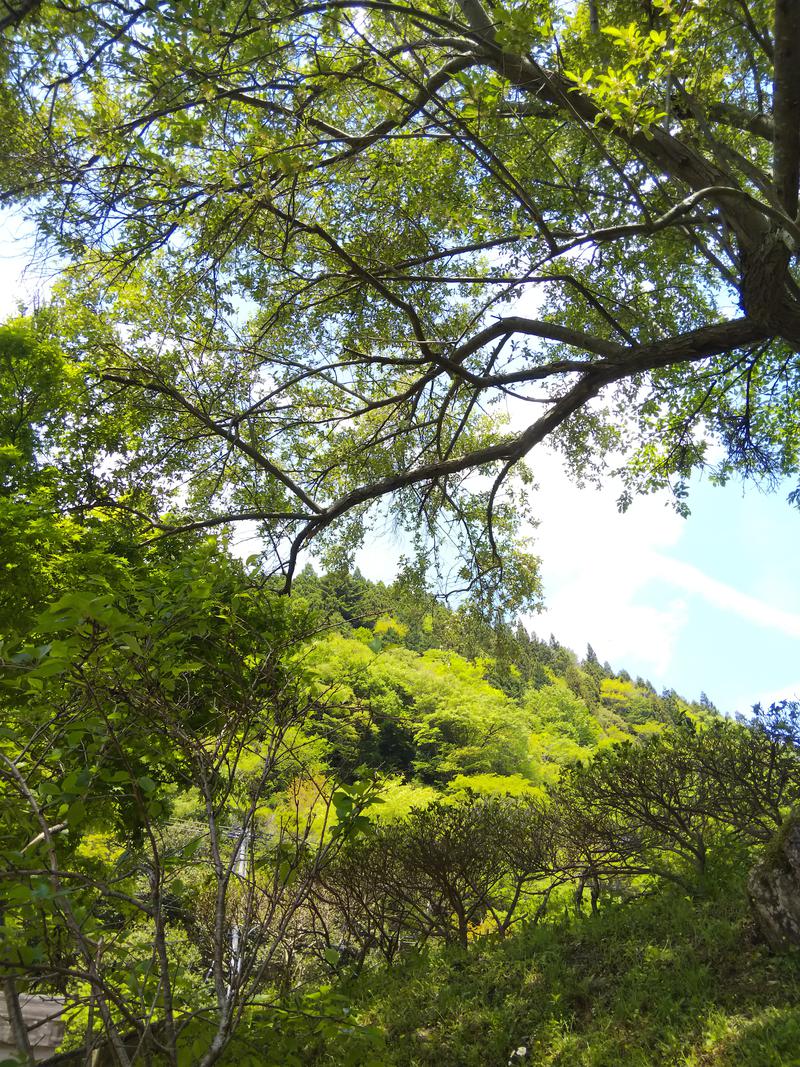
<point>672,156</point>
<point>548,331</point>
<point>737,118</point>
<point>690,347</point>
<point>786,103</point>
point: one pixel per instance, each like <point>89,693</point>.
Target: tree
<point>755,772</point>
<point>451,866</point>
<point>557,709</point>
<point>154,850</point>
<point>340,241</point>
<point>641,807</point>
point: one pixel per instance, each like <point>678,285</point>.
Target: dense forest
<point>325,268</point>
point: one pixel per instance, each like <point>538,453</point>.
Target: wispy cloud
<point>755,611</point>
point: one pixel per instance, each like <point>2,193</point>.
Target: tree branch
<point>786,103</point>
<point>625,363</point>
<point>153,386</point>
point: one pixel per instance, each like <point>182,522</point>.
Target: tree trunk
<point>774,887</point>
<point>19,1030</point>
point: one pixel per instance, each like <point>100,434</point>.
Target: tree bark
<point>786,104</point>
<point>19,1030</point>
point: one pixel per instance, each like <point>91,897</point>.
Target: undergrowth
<point>658,980</point>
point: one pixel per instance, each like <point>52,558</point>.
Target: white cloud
<point>595,563</point>
<point>723,596</point>
<point>379,561</point>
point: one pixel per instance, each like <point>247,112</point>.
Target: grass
<point>659,980</point>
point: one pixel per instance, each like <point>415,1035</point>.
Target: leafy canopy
<point>347,252</point>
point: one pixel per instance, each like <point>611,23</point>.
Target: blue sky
<point>709,603</point>
<point>748,541</point>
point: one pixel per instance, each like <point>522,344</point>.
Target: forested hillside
<point>432,694</point>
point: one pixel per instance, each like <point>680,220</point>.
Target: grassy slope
<point>659,980</point>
